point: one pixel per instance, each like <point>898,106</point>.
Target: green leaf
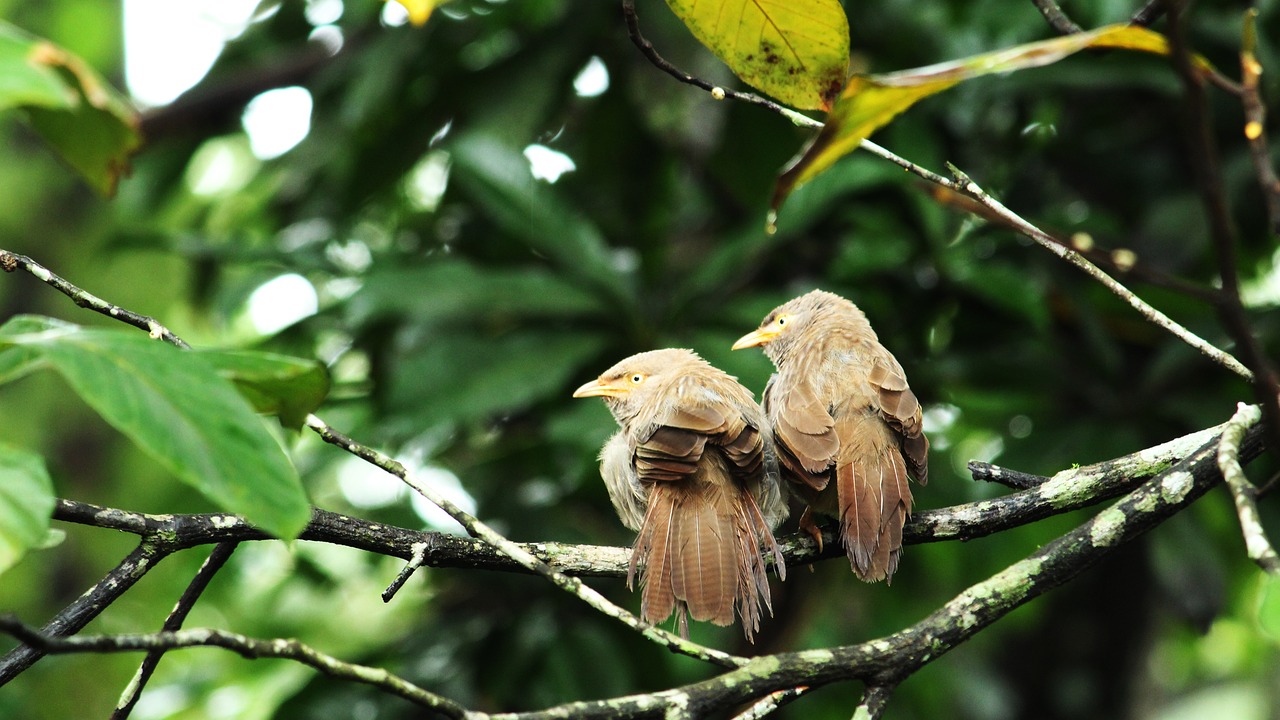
<point>26,504</point>
<point>91,126</point>
<point>1269,607</point>
<point>460,377</point>
<point>795,50</point>
<point>457,289</point>
<point>176,407</point>
<point>870,102</point>
<point>498,178</point>
<point>287,387</point>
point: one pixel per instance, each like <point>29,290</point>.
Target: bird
<point>840,409</point>
<point>691,471</point>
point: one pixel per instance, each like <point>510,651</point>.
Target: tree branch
<point>1057,19</point>
<point>88,606</point>
<point>12,261</point>
<point>251,648</point>
<point>1066,491</point>
<point>221,553</point>
<point>1245,495</point>
<point>967,186</point>
<point>521,556</point>
<point>1255,117</point>
<point>889,660</point>
<point>1203,155</point>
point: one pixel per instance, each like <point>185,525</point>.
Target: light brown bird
<point>841,410</point>
<point>688,471</point>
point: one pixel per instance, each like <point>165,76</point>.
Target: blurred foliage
<point>460,300</point>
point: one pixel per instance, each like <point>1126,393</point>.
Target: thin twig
<point>1203,154</point>
<point>524,558</point>
<point>1057,19</point>
<point>874,700</point>
<point>1256,544</point>
<point>12,261</point>
<point>1255,117</point>
<point>1113,261</point>
<point>766,705</point>
<point>1149,13</point>
<point>91,603</point>
<point>647,49</point>
<point>212,564</point>
<point>251,648</point>
<point>419,557</point>
<point>964,184</point>
<point>1009,478</point>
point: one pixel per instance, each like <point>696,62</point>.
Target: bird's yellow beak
<point>600,388</point>
<point>756,338</point>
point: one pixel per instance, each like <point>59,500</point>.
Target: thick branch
<point>886,661</point>
<point>1066,491</point>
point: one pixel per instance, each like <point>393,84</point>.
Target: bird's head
<point>793,320</point>
<point>627,386</point>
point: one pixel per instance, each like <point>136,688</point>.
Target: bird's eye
<point>782,321</point>
<point>637,378</point>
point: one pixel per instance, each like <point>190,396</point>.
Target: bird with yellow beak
<point>688,470</point>
<point>840,409</point>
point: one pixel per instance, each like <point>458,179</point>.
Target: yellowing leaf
<point>90,125</point>
<point>870,102</point>
<point>420,10</point>
<point>795,50</point>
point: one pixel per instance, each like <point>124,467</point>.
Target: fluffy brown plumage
<point>687,471</point>
<point>841,409</point>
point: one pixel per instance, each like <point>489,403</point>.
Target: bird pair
<point>693,467</point>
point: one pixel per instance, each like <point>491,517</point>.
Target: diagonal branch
<point>521,556</point>
<point>88,606</point>
<point>1057,19</point>
<point>221,553</point>
<point>12,261</point>
<point>967,186</point>
<point>1203,155</point>
<point>1245,495</point>
<point>889,660</point>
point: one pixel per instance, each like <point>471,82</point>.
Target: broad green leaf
<point>870,102</point>
<point>498,178</point>
<point>176,407</point>
<point>454,288</point>
<point>26,504</point>
<point>463,376</point>
<point>15,362</point>
<point>89,124</point>
<point>795,50</point>
<point>286,387</point>
<point>1269,607</point>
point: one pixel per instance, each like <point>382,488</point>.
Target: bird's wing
<point>720,413</point>
<point>901,410</point>
<point>803,428</point>
<point>671,444</point>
